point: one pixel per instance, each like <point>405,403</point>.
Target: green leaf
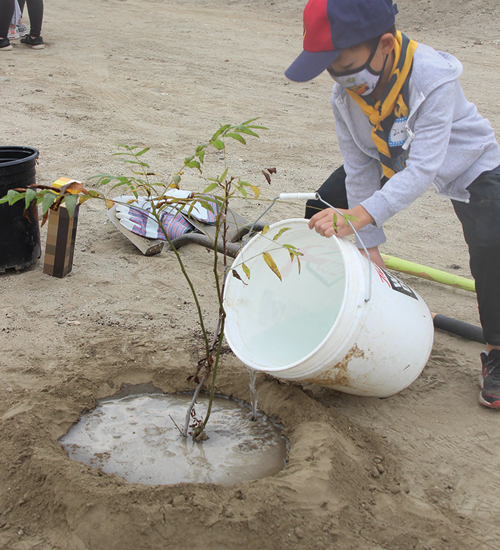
<point>246,130</point>
<point>71,201</point>
<point>30,195</point>
<point>187,160</point>
<point>208,206</point>
<point>242,190</point>
<point>237,137</point>
<point>246,270</point>
<point>223,175</point>
<point>265,230</point>
<point>201,156</point>
<point>48,199</point>
<point>176,179</point>
<point>211,187</point>
<point>142,152</point>
<point>335,228</point>
<point>194,164</point>
<point>350,218</point>
<point>248,121</point>
<point>218,144</point>
<point>219,132</point>
<point>270,262</point>
<point>14,196</point>
<point>280,232</point>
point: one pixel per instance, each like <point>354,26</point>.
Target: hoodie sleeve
<point>432,131</point>
<point>363,177</point>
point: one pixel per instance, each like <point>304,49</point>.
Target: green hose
<point>428,273</point>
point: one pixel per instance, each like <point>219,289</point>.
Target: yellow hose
<point>428,273</point>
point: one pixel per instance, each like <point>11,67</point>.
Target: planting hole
<point>135,438</point>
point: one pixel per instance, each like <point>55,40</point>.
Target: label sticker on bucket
<point>394,282</point>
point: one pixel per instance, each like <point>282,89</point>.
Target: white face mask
<point>361,81</point>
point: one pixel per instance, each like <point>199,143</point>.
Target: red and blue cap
<point>330,26</point>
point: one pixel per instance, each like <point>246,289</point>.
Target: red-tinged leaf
<point>44,219</point>
<point>270,262</point>
<point>74,186</point>
<point>109,203</point>
<point>246,270</point>
<point>267,176</point>
<point>280,232</point>
<point>236,275</point>
<point>271,170</point>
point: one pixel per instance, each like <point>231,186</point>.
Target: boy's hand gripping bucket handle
<point>317,196</point>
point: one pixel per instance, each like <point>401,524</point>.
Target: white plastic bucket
<point>317,326</point>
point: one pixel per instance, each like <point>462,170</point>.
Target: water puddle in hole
<point>135,438</point>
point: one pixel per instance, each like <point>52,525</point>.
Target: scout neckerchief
<point>392,107</point>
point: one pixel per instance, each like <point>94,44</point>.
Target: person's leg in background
<point>6,13</point>
<point>35,11</point>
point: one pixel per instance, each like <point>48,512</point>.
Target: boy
<point>403,124</point>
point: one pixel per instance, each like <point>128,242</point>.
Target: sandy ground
<point>415,471</point>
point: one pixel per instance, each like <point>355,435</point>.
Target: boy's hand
<point>328,222</point>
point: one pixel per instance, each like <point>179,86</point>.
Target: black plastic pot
<point>19,234</point>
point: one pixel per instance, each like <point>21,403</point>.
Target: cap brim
<point>309,65</point>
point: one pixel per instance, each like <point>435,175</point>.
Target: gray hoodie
<point>448,141</point>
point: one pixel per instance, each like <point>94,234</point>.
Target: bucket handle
<point>317,196</point>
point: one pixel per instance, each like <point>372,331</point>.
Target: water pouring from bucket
<point>341,322</point>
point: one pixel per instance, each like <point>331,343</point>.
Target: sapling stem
<point>193,401</point>
<point>220,294</point>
